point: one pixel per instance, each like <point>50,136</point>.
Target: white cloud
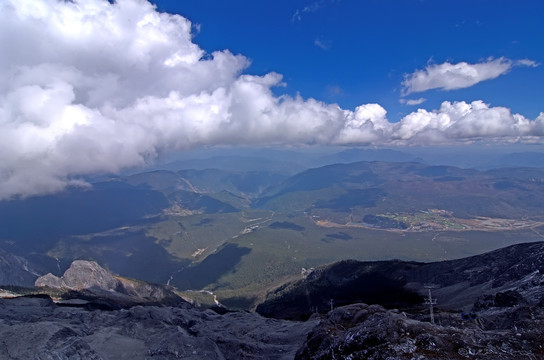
<point>323,44</point>
<point>527,62</point>
<point>366,125</point>
<point>452,123</point>
<point>449,76</point>
<point>412,102</point>
<point>312,7</point>
<point>90,86</point>
<point>464,121</point>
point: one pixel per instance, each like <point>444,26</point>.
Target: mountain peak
<point>81,275</point>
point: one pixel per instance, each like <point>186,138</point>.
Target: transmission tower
<point>429,300</point>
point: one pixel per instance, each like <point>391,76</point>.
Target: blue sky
<point>99,86</point>
<point>355,52</point>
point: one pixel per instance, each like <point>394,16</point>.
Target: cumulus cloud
<point>92,86</point>
<point>451,123</point>
<point>449,76</point>
<point>465,121</point>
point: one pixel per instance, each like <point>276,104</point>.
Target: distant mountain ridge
<point>236,163</point>
<point>411,187</point>
<point>356,155</point>
<point>206,181</point>
<point>520,159</point>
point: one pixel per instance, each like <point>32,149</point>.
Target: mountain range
<point>242,231</point>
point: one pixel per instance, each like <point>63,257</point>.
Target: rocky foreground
<point>493,308</point>
<point>37,328</point>
<point>361,331</point>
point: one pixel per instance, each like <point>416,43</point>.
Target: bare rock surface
<point>87,281</point>
<point>80,275</point>
<point>103,316</point>
<point>361,331</point>
<point>37,328</point>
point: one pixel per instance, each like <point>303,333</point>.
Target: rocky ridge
<point>361,331</point>
<point>113,318</point>
<point>458,284</point>
<point>86,282</point>
<point>97,315</point>
<point>81,275</point>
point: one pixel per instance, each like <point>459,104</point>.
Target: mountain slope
<point>506,321</point>
<point>15,270</point>
<point>459,283</point>
<point>339,191</point>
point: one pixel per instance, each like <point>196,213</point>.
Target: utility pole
<point>430,301</point>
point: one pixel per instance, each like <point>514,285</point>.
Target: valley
<point>435,220</point>
<point>239,234</point>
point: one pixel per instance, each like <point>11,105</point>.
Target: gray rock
<point>86,282</point>
<point>81,275</point>
<point>361,331</point>
<point>50,280</point>
<point>37,328</point>
<point>503,288</point>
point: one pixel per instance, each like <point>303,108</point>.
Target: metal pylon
<point>429,300</point>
